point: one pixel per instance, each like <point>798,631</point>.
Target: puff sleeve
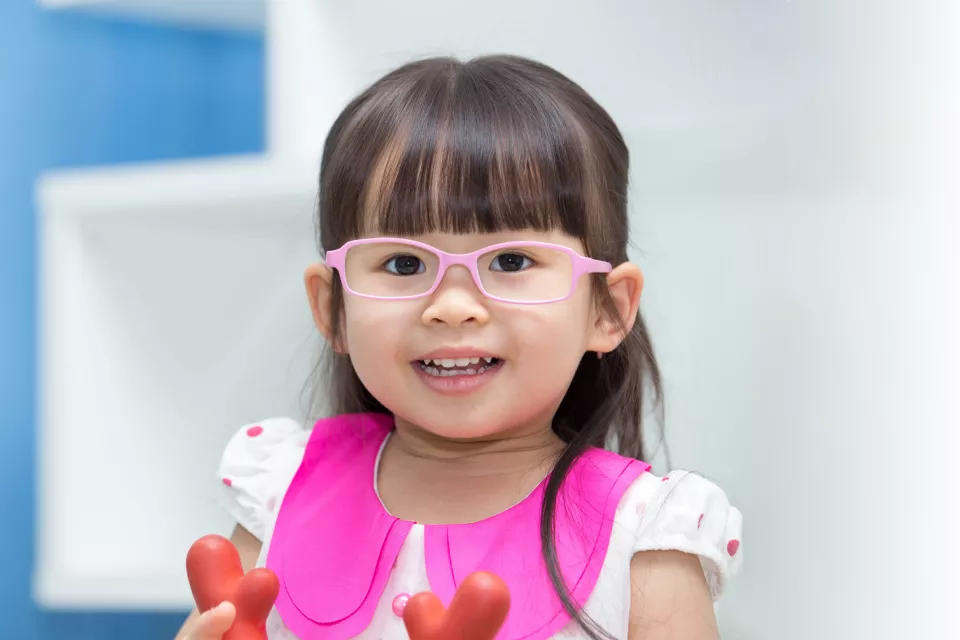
<point>256,468</point>
<point>685,512</point>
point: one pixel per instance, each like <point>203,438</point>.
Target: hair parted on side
<point>494,143</point>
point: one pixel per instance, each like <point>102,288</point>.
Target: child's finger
<point>212,624</point>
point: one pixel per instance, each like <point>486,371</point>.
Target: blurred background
<point>794,195</point>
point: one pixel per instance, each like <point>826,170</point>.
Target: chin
<point>452,426</point>
<point>480,422</point>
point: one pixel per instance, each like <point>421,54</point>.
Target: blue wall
<point>79,91</point>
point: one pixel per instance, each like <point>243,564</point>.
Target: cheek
<point>372,327</point>
<point>550,342</point>
<point>374,332</point>
<point>561,327</point>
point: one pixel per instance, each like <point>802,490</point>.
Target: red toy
<point>216,575</point>
<point>478,610</point>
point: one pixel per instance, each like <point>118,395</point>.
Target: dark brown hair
<point>494,143</point>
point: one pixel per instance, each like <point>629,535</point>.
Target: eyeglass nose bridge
<point>469,261</point>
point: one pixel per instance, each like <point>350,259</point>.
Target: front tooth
<point>446,362</point>
<point>475,360</point>
<point>462,362</point>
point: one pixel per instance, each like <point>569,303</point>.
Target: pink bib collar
<point>334,544</point>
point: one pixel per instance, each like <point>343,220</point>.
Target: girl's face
<point>461,365</point>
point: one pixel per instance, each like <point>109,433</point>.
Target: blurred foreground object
<point>216,575</point>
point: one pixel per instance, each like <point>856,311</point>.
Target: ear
<point>625,283</point>
<point>318,280</point>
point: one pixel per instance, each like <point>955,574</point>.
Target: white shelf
<point>232,187</point>
<point>239,15</point>
<point>140,591</point>
<point>172,312</point>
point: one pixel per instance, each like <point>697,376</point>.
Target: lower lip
<point>457,385</point>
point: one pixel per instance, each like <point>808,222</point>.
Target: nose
<point>457,301</point>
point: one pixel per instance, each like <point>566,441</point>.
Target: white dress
<point>680,511</point>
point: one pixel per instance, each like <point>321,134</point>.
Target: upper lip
<point>457,352</point>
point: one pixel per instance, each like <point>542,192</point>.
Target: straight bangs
<point>458,148</point>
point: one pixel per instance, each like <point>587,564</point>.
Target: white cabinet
<point>172,312</point>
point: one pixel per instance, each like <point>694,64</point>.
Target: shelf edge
<point>244,16</point>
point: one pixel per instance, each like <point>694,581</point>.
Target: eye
<point>511,262</point>
<point>404,265</point>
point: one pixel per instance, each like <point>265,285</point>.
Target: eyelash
<point>386,262</point>
<point>514,253</point>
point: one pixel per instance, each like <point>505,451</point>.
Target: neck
<point>502,453</point>
<point>433,480</point>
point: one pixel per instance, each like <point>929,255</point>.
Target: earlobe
<point>318,280</point>
<point>625,284</point>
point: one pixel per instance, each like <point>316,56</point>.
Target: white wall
<point>804,297</point>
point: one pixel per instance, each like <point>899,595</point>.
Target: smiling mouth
<point>446,367</point>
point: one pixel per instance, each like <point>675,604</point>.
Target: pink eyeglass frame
<point>581,265</point>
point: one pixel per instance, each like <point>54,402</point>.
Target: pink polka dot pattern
<point>271,503</point>
<point>664,478</point>
<point>732,547</point>
<point>400,603</point>
<point>228,482</point>
<point>253,432</point>
<point>699,521</point>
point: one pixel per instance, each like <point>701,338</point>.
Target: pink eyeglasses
<point>517,272</point>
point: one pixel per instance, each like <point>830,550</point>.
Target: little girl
<point>489,370</point>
